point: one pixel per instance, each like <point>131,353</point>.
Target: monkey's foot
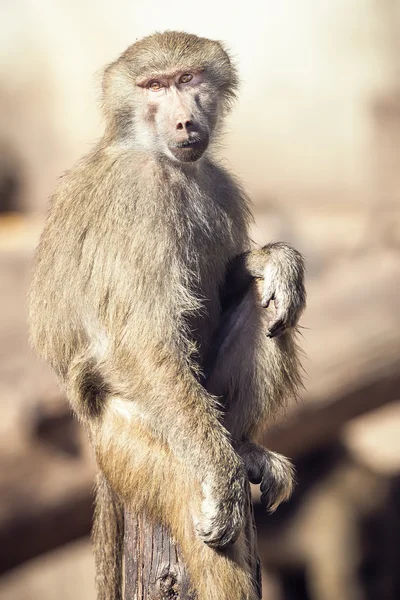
<point>273,471</point>
<point>223,510</point>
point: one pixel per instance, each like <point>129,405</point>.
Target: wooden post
<point>154,569</point>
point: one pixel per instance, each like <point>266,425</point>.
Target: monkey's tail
<point>108,535</point>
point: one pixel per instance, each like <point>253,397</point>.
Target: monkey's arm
<point>282,269</point>
<point>255,374</point>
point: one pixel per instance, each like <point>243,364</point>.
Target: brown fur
<point>145,303</point>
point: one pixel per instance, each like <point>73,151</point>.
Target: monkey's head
<point>167,94</point>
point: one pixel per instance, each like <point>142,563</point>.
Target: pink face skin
<point>173,107</point>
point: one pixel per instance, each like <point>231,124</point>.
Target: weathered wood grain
<point>154,569</point>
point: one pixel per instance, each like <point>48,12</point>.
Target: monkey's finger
<point>276,327</point>
<point>267,297</point>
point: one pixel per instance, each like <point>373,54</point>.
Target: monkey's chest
<point>205,267</point>
<point>203,235</point>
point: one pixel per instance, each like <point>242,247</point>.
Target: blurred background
<point>315,139</point>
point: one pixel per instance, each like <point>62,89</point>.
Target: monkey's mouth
<point>189,150</point>
<point>188,143</point>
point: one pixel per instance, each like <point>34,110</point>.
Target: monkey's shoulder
<point>228,191</point>
<point>125,202</point>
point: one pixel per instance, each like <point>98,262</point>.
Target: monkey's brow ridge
<point>162,74</point>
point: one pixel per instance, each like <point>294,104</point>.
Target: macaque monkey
<point>173,340</point>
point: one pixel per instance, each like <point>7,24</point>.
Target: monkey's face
<point>167,93</point>
<point>179,113</point>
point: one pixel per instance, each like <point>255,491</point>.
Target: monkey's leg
<point>162,392</point>
<point>151,480</point>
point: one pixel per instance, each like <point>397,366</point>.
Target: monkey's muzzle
<point>189,150</point>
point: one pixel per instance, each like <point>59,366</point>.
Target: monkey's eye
<point>155,86</point>
<point>186,78</point>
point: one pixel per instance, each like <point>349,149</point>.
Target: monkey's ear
<point>225,72</point>
<point>117,99</point>
<point>115,87</point>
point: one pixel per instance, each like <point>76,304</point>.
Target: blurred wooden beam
<point>319,424</point>
<point>352,346</point>
<point>46,498</point>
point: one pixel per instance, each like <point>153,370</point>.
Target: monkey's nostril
<point>184,125</point>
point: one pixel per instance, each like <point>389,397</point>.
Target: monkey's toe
<point>224,528</point>
<point>220,539</point>
<point>274,493</point>
<point>223,518</point>
<point>277,481</point>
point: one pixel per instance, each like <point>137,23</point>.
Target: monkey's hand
<point>273,471</point>
<point>224,506</point>
<point>284,285</point>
